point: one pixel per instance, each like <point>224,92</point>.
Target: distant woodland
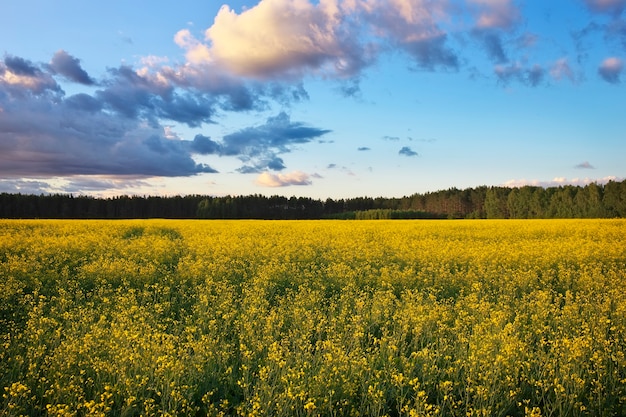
<point>529,202</point>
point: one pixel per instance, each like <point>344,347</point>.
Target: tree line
<point>528,202</point>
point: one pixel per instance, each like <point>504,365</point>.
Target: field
<point>345,318</point>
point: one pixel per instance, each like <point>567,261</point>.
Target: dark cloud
<point>203,145</point>
<point>276,164</point>
<point>22,186</point>
<point>584,165</point>
<point>432,53</point>
<point>149,97</point>
<point>273,163</point>
<point>69,67</point>
<point>492,41</point>
<point>20,66</point>
<point>20,77</point>
<point>407,151</point>
<point>531,77</point>
<point>118,130</point>
<point>83,102</point>
<point>40,140</point>
<point>278,135</point>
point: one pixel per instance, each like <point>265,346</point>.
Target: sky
<point>321,99</point>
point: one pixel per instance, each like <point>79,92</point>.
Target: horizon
<point>317,99</point>
<point>322,199</point>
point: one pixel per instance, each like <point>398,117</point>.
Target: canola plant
<point>303,318</point>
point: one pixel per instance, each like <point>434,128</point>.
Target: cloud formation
<point>614,7</point>
<point>584,165</point>
<point>561,69</point>
<point>407,151</point>
<point>69,67</point>
<point>120,128</point>
<point>297,37</point>
<point>267,179</point>
<point>121,124</point>
<point>340,39</point>
<point>259,146</point>
<point>20,77</point>
<point>532,76</point>
<point>611,70</point>
<point>326,38</point>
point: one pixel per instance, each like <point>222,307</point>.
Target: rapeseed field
<point>313,318</point>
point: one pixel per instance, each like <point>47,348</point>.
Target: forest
<point>528,202</point>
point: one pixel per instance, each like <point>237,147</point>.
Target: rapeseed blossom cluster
<point>304,318</point>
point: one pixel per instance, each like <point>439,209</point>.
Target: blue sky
<point>328,98</point>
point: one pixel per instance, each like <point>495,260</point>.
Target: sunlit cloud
<point>611,69</point>
<point>267,179</point>
<point>561,69</point>
<point>495,14</point>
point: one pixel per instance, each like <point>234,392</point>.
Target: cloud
<point>407,151</point>
<point>24,186</point>
<point>120,129</point>
<point>329,38</point>
<point>267,179</point>
<point>203,145</point>
<point>141,95</point>
<point>69,67</point>
<point>493,44</point>
<point>614,7</point>
<point>261,143</point>
<point>532,76</point>
<point>561,69</point>
<point>493,18</point>
<point>20,77</point>
<point>413,27</point>
<point>494,14</point>
<point>611,69</point>
<point>297,37</point>
<point>560,181</point>
<point>584,165</point>
<point>40,138</point>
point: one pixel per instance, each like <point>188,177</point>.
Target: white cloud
<point>495,14</point>
<point>274,37</point>
<point>267,179</point>
<point>559,181</point>
<point>288,39</point>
